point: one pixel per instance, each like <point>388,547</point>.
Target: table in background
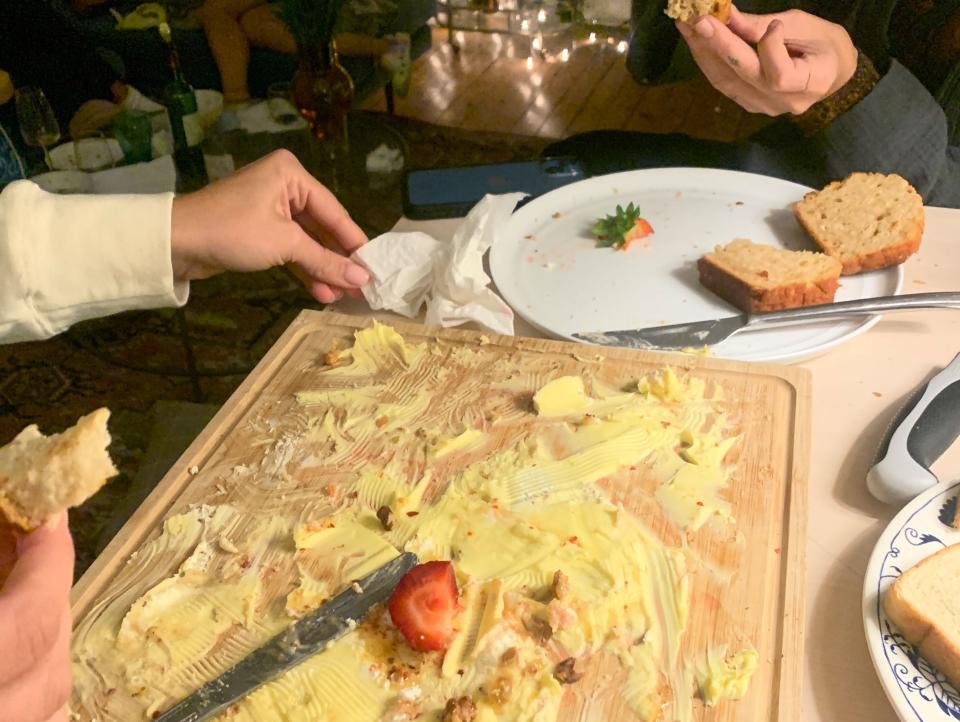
<point>857,389</point>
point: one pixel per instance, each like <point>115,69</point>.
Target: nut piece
<point>539,628</point>
<point>499,691</point>
<point>560,586</point>
<point>566,672</point>
<point>461,709</point>
<point>385,515</point>
<point>332,357</point>
<point>509,657</point>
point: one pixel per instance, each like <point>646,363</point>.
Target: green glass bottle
<point>181,102</point>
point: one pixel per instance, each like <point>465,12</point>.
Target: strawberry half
<point>424,604</point>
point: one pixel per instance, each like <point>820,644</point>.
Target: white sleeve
<point>64,259</point>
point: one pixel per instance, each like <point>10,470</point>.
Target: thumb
<point>322,264</point>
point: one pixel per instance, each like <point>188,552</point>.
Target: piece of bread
<point>866,221</point>
<point>922,602</point>
<point>41,476</point>
<point>689,10</point>
<point>762,278</point>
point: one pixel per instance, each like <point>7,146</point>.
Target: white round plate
<point>917,691</point>
<point>546,264</point>
<point>94,154</point>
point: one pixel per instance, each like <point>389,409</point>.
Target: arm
<point>64,259</point>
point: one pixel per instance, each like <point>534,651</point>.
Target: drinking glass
<point>38,124</point>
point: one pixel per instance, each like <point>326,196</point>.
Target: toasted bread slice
<point>689,10</point>
<point>762,278</point>
<point>41,476</point>
<point>866,221</point>
<point>922,602</point>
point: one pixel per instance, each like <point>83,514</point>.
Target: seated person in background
<point>39,48</point>
<point>232,26</point>
<point>851,105</point>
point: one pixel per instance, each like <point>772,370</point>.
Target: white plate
<point>917,691</point>
<point>94,154</point>
<point>546,264</point>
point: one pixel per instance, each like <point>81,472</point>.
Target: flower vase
<point>323,92</point>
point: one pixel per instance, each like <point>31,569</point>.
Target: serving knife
<point>925,427</point>
<point>710,333</point>
<point>304,638</point>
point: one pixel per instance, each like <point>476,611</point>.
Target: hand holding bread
<point>773,64</point>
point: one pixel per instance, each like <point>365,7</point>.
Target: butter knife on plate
<point>301,640</point>
<point>710,333</point>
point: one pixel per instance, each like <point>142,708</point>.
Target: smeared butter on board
<point>722,677</point>
<point>511,502</point>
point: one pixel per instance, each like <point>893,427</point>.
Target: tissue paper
<point>409,270</point>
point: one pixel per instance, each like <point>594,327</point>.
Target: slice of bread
<point>866,221</point>
<point>689,10</point>
<point>762,278</point>
<point>41,476</point>
<point>923,603</point>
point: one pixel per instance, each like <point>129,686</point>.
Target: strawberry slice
<point>641,229</point>
<point>424,604</point>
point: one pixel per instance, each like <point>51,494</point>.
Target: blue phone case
<point>452,192</point>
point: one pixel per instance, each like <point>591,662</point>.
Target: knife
<point>709,333</point>
<point>924,428</point>
<point>301,640</point>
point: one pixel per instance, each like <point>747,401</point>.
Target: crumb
<point>509,657</point>
<point>777,550</point>
<point>382,421</point>
<point>226,545</point>
<point>355,586</point>
<point>331,489</point>
<point>558,214</point>
<point>738,203</point>
<point>877,394</point>
<point>385,515</point>
<point>560,586</point>
<point>221,489</point>
<point>539,629</point>
<point>499,691</point>
<point>678,194</point>
<point>413,513</point>
<point>194,470</point>
<point>920,283</point>
<point>461,709</point>
<point>332,357</point>
<point>566,672</point>
<point>484,340</point>
<point>528,237</point>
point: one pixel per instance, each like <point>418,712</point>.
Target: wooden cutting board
<point>771,404</point>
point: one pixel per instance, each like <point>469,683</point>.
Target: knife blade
<point>709,333</point>
<point>304,638</point>
<point>925,427</point>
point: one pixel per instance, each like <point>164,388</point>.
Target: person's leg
<point>265,29</point>
<point>228,43</point>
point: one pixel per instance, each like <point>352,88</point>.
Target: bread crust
<point>938,646</point>
<point>751,299</point>
<point>891,255</point>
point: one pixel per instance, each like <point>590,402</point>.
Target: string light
<point>537,44</point>
<point>542,16</point>
<point>622,46</point>
<point>593,37</point>
<point>525,25</point>
<point>530,63</point>
<point>565,55</point>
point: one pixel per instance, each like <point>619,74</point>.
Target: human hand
<point>35,678</point>
<point>91,116</point>
<point>270,213</point>
<point>799,59</point>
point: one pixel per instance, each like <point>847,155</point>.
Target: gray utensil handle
<point>859,307</point>
<point>925,428</point>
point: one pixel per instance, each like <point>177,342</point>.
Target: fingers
<point>320,212</point>
<point>749,27</point>
<point>323,266</point>
<point>727,46</point>
<point>781,73</point>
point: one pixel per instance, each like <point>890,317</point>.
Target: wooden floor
<point>492,84</point>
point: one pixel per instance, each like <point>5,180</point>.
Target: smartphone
<point>452,192</point>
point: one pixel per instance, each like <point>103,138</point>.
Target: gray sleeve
<point>898,128</point>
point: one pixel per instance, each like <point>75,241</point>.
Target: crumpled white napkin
<point>409,270</point>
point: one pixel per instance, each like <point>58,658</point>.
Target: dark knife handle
<point>926,427</point>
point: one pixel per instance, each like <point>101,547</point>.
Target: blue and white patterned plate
<point>917,691</point>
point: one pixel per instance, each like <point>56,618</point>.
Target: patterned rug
<point>198,354</point>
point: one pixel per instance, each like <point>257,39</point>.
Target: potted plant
<point>322,90</point>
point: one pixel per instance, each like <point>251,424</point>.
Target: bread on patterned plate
<point>763,278</point>
<point>41,476</point>
<point>866,221</point>
<point>689,10</point>
<point>922,602</point>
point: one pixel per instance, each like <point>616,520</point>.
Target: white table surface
<point>857,389</point>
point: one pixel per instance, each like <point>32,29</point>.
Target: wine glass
<point>38,124</point>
